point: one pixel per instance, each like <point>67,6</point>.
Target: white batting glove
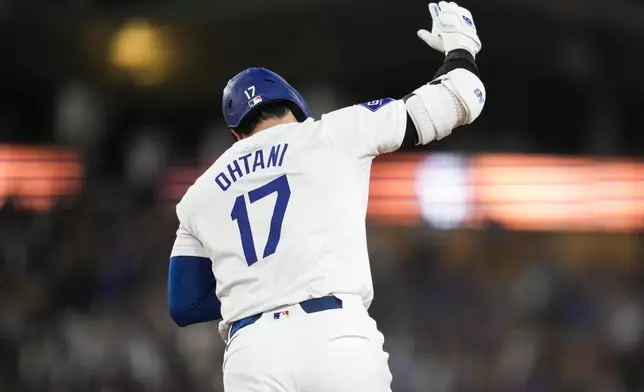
<point>452,28</point>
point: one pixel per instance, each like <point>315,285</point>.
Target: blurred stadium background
<point>508,257</point>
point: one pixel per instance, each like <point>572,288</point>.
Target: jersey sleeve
<point>186,244</point>
<point>192,287</point>
<point>368,129</point>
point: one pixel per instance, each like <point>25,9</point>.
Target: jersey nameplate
<point>250,163</point>
<point>375,105</point>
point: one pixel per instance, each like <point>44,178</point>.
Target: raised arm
<point>456,96</point>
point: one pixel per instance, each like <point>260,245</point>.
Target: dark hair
<point>270,110</point>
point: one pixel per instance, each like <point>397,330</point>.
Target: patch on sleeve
<point>375,105</point>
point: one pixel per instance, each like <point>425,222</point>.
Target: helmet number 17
<point>250,92</point>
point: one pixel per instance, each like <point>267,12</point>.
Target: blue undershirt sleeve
<point>191,291</point>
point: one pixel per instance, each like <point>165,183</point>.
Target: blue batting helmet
<point>254,87</point>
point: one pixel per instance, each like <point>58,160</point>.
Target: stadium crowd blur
<point>84,307</point>
<point>82,285</point>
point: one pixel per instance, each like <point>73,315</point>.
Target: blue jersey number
<point>240,214</point>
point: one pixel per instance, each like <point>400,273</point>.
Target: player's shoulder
<point>379,113</point>
<point>200,186</point>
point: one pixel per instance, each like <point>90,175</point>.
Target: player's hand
<point>452,28</point>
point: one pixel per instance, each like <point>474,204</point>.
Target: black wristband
<point>459,58</point>
<point>459,54</point>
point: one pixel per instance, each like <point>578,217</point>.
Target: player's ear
<point>237,135</point>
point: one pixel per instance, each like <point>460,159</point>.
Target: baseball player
<point>272,236</point>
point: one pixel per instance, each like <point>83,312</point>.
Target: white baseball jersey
<point>281,214</point>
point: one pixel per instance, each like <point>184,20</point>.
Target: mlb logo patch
<point>255,101</point>
<point>468,21</point>
<point>375,105</point>
<point>280,315</point>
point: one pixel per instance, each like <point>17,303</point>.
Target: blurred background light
<point>443,190</point>
<point>35,178</point>
<point>142,50</point>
